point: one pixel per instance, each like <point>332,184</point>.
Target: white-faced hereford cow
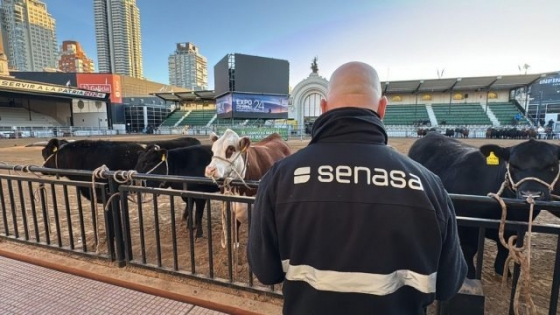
<point>464,169</point>
<point>234,157</point>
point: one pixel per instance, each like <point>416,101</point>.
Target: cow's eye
<point>229,151</point>
<point>553,169</point>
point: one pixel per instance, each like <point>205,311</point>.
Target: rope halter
<point>515,185</point>
<point>55,155</point>
<point>227,176</point>
<point>519,255</point>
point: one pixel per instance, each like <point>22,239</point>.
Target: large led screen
<point>249,106</point>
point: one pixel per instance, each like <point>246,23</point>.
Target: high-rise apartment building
<point>117,33</point>
<point>188,68</point>
<point>29,35</point>
<point>73,58</point>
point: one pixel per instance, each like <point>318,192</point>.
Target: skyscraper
<point>73,58</point>
<point>29,35</point>
<point>117,33</point>
<point>188,68</point>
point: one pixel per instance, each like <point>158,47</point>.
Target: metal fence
<point>139,226</point>
<point>293,132</point>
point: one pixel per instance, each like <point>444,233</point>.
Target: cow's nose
<point>210,171</point>
<point>532,193</point>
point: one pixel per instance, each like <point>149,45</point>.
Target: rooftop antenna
<point>440,73</point>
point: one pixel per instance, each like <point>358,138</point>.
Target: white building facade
<point>305,100</point>
<point>118,37</point>
<point>29,34</point>
<point>188,68</point>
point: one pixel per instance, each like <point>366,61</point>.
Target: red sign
<point>101,82</point>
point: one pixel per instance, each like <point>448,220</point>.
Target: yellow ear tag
<point>54,149</point>
<point>163,157</point>
<point>492,159</point>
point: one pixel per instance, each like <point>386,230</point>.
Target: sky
<point>401,39</point>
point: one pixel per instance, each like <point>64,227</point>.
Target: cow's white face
<point>228,160</point>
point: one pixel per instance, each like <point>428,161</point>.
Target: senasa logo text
<point>343,174</point>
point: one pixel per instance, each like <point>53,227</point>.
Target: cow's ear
<point>55,144</point>
<point>244,143</point>
<point>213,137</point>
<point>500,152</point>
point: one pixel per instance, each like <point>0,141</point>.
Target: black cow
<point>190,161</point>
<point>55,144</point>
<point>91,154</point>
<point>463,169</point>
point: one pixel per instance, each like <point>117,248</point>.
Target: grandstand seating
<point>504,112</point>
<point>461,114</point>
<point>20,117</point>
<point>405,114</point>
<point>197,118</point>
<point>173,118</point>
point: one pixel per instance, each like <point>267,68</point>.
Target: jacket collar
<point>349,124</point>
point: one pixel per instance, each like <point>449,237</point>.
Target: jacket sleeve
<point>262,249</point>
<point>452,266</point>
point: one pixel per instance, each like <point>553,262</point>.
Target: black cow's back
<point>173,143</point>
<point>91,154</point>
<point>462,169</point>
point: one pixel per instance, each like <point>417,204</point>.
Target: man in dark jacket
<point>348,224</point>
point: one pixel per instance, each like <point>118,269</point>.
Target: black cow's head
<point>51,148</point>
<point>529,159</point>
<point>150,158</point>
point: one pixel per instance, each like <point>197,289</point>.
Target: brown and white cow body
<point>235,158</point>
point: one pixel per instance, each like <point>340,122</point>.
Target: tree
<point>314,66</point>
<point>524,67</point>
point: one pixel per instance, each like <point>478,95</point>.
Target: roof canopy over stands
<point>490,83</point>
<point>463,84</point>
<point>186,96</point>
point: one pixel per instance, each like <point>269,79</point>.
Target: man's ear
<point>244,143</point>
<point>323,105</point>
<point>382,106</point>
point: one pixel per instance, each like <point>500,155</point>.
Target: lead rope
<point>143,182</point>
<point>120,177</point>
<point>228,191</point>
<point>516,254</point>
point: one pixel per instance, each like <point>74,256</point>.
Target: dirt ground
<point>18,152</point>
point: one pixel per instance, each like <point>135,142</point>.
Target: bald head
<point>355,84</point>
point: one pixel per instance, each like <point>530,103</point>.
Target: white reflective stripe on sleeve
<point>359,282</point>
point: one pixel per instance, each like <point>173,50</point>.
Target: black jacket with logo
<point>351,226</point>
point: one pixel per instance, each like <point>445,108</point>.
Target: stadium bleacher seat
<point>22,117</point>
<point>405,114</point>
<point>505,112</point>
<point>461,114</point>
